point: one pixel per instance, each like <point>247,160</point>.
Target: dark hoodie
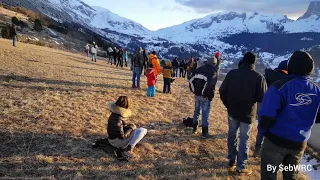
<point>274,75</point>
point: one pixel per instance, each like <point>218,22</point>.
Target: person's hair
<point>153,52</point>
<point>150,65</point>
<point>123,102</point>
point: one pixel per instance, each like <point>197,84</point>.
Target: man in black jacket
<point>181,68</point>
<point>240,92</point>
<point>137,64</point>
<point>175,66</point>
<point>203,84</point>
<point>271,76</point>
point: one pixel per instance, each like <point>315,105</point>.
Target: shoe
<point>195,128</point>
<point>205,132</point>
<point>256,152</point>
<point>232,166</point>
<point>134,87</point>
<point>128,151</point>
<point>244,171</point>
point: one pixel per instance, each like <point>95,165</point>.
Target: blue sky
<point>157,14</point>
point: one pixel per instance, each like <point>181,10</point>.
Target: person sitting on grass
<point>121,134</point>
<point>167,77</point>
<point>151,80</point>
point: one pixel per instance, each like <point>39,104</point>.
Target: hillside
<point>54,106</point>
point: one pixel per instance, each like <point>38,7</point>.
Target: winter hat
<point>218,54</point>
<point>250,58</point>
<point>283,65</point>
<point>301,63</point>
<point>212,61</point>
<point>153,52</point>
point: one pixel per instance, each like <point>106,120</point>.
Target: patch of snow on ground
<point>314,174</point>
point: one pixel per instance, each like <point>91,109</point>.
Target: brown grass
<point>53,105</point>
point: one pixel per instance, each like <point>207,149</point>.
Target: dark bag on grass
<point>104,145</point>
<point>188,122</point>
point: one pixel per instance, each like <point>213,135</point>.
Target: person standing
<point>125,57</point>
<point>94,52</point>
<point>185,69</point>
<point>167,72</point>
<point>175,66</point>
<point>13,34</point>
<point>115,55</point>
<point>271,76</point>
<point>155,62</point>
<point>138,64</point>
<point>289,110</point>
<point>146,61</point>
<point>120,58</point>
<point>110,55</point>
<point>151,81</point>
<point>240,91</point>
<point>202,84</point>
<point>181,68</point>
<point>87,49</point>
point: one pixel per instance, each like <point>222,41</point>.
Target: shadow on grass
<point>56,82</point>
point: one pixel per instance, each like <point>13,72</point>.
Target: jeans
<point>203,104</point>
<point>120,62</point>
<point>136,75</point>
<point>274,155</point>
<point>134,138</point>
<point>151,91</point>
<point>94,57</point>
<point>14,40</point>
<point>181,72</point>
<point>243,150</point>
<point>176,72</point>
<point>115,60</point>
<point>259,141</point>
<point>166,85</point>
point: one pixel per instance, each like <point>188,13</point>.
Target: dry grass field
<point>53,106</point>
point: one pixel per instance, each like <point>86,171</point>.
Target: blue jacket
<point>289,110</point>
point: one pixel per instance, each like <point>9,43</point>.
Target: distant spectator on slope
<point>175,66</point>
<point>167,72</point>
<point>181,69</point>
<point>185,68</point>
<point>240,91</point>
<point>121,134</point>
<point>218,56</point>
<point>125,57</point>
<point>110,55</point>
<point>151,81</point>
<point>155,62</point>
<point>202,84</point>
<point>191,67</point>
<point>115,55</point>
<point>137,64</point>
<point>120,58</point>
<point>289,110</point>
<point>271,76</point>
<point>146,61</point>
<point>87,49</point>
<point>13,34</point>
<point>94,52</point>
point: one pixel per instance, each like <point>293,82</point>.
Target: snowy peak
<point>313,9</point>
<point>105,19</point>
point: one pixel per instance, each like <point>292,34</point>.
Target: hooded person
<point>155,62</point>
<point>151,81</point>
<point>271,76</point>
<point>167,72</point>
<point>289,110</point>
<point>240,91</point>
<point>137,66</point>
<point>202,84</point>
<point>121,133</point>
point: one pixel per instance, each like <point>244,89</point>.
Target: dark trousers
<point>109,59</point>
<point>185,73</point>
<point>181,72</point>
<point>166,85</point>
<point>120,62</point>
<point>273,155</point>
<point>115,60</point>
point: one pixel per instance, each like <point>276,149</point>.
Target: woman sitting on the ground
<point>120,134</point>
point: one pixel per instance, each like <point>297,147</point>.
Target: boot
<point>205,132</point>
<point>195,128</point>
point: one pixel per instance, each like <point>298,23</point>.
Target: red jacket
<point>151,77</point>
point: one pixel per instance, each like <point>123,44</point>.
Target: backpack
<point>188,122</point>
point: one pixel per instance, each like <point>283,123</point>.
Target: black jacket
<point>12,31</point>
<point>175,64</point>
<point>240,92</point>
<point>139,60</point>
<point>182,65</point>
<point>273,75</point>
<point>117,127</point>
<point>204,80</point>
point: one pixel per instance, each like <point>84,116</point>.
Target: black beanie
<point>250,58</point>
<point>301,63</point>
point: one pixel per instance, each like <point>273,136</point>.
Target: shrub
<point>37,25</point>
<point>40,43</point>
<point>5,32</point>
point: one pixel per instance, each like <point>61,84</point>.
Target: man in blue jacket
<point>287,114</point>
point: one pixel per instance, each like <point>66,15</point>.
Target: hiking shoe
<point>134,87</point>
<point>256,152</point>
<point>195,128</point>
<point>244,171</point>
<point>205,132</point>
